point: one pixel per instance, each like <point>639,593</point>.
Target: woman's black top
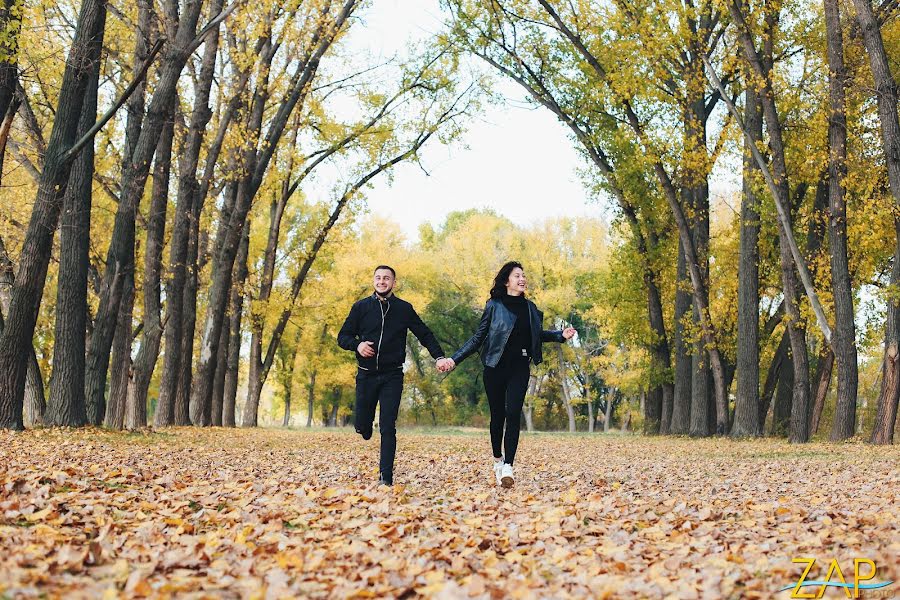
<point>520,337</point>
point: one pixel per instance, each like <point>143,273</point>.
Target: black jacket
<point>385,324</point>
<point>493,331</point>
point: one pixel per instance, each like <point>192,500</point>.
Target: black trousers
<point>506,386</point>
<point>383,389</point>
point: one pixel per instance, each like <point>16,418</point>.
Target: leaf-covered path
<point>264,513</point>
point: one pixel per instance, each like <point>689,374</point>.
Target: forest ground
<point>289,513</point>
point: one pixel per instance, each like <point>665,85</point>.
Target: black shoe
<point>366,435</point>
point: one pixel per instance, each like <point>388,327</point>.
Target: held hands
<point>445,365</point>
<point>365,349</point>
<point>568,333</point>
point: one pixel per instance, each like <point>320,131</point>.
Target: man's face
<point>384,281</point>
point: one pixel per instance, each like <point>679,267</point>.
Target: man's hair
<point>379,267</point>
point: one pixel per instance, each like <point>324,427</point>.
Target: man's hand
<point>365,349</point>
<point>445,365</point>
<point>569,333</point>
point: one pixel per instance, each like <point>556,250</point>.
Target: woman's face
<point>516,283</point>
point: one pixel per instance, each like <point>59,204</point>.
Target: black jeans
<point>506,386</point>
<point>384,389</point>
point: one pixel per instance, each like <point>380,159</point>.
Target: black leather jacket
<point>494,329</point>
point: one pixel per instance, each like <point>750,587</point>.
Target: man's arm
<point>348,336</point>
<point>424,334</point>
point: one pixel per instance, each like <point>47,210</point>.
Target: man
<point>376,330</point>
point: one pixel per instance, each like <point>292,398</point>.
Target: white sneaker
<point>506,476</point>
<point>498,468</point>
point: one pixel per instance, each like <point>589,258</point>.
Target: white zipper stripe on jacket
<point>381,335</point>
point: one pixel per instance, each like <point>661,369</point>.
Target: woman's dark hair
<point>499,289</point>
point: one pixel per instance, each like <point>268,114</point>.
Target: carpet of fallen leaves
<point>272,513</point>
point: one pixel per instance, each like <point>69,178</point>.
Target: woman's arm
<point>552,335</point>
<point>560,337</point>
<point>475,342</point>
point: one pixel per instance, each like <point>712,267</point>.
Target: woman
<point>509,337</point>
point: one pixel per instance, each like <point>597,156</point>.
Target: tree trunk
<point>844,340</point>
<point>187,196</point>
<point>886,414</point>
<point>681,411</point>
<point>114,411</point>
<point>35,403</point>
<point>67,402</point>
<point>564,384</point>
<point>267,278</point>
<point>255,165</point>
<point>529,416</point>
<point>184,377</point>
<point>590,407</point>
<point>822,382</point>
<point>288,360</point>
<point>776,178</point>
<point>332,418</point>
<point>233,367</point>
<point>772,376</point>
<point>780,187</point>
<point>145,363</point>
<point>747,403</point>
<point>120,256</point>
<point>11,24</point>
<point>97,361</point>
<point>201,414</point>
<point>35,406</point>
<point>695,194</point>
<point>286,420</point>
<point>642,398</point>
<point>225,250</point>
<point>234,345</point>
<point>711,407</point>
<point>800,412</point>
<point>647,245</point>
<point>700,410</point>
<point>784,399</point>
<point>607,417</point>
<point>135,411</point>
<point>657,418</point>
<point>16,340</point>
<point>886,94</point>
<point>255,382</point>
<point>700,293</point>
<point>310,399</point>
<point>261,365</point>
<point>212,414</point>
<point>799,429</point>
<point>668,401</point>
<point>700,299</point>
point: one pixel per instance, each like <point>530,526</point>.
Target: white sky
<point>514,159</point>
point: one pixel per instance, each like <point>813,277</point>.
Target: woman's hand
<point>569,333</point>
<point>445,365</point>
